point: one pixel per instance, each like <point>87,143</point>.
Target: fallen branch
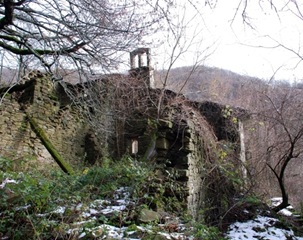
<point>49,146</point>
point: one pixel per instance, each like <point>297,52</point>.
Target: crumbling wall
<point>196,171</point>
<point>64,127</point>
<point>179,140</point>
<point>17,140</point>
<point>185,150</point>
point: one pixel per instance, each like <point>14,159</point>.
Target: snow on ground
<point>263,227</point>
<point>120,203</point>
<point>6,181</point>
<point>260,228</point>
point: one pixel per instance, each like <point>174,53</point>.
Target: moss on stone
<point>49,146</point>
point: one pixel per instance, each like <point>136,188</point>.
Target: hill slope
<point>214,84</point>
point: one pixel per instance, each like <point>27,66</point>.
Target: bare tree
<point>87,35</point>
<point>281,113</point>
<point>291,11</point>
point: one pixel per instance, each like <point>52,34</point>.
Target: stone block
<point>189,146</point>
<point>162,143</point>
<point>148,216</point>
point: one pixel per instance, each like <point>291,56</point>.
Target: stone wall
<point>196,170</point>
<point>64,128</point>
<point>185,150</point>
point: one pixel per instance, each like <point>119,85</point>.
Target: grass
<point>29,206</point>
<point>35,193</point>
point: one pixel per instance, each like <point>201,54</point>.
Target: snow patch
<point>259,228</point>
<point>6,181</point>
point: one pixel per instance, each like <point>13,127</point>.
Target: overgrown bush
<point>30,200</point>
<point>25,196</point>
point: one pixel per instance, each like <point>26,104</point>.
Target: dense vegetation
<point>31,200</point>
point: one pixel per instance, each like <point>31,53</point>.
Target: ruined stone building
<point>123,114</point>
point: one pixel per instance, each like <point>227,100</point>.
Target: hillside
<point>215,84</point>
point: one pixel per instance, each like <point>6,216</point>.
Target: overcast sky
<point>234,45</point>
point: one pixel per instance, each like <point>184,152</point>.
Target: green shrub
<point>6,164</point>
<point>34,193</point>
<point>30,195</point>
<point>204,232</point>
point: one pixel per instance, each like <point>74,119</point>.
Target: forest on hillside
<point>203,83</point>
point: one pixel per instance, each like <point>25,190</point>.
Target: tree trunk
<point>284,202</point>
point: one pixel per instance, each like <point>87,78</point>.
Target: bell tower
<point>140,65</point>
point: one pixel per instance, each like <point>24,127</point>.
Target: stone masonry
<point>185,143</point>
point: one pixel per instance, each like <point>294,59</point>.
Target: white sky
<point>233,44</point>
